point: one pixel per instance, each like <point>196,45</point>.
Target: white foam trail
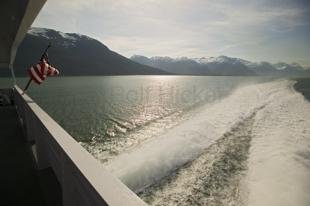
<point>279,158</point>
<point>157,157</point>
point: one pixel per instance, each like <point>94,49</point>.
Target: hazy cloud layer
<point>272,30</point>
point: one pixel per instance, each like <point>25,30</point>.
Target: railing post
<point>41,145</point>
<point>68,196</point>
<point>12,73</point>
<point>29,123</point>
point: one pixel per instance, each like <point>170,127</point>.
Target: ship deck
<point>21,183</point>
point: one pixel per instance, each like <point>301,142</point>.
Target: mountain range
<point>221,65</point>
<point>75,54</point>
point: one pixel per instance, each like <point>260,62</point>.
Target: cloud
<point>181,27</point>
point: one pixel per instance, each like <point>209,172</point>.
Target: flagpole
<point>41,59</point>
<point>28,84</point>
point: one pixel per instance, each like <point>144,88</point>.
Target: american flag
<point>39,72</point>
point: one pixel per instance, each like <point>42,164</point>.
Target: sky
<point>255,30</point>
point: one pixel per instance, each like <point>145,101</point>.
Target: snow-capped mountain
<point>176,66</point>
<point>221,65</point>
<point>220,59</point>
<point>68,39</point>
<point>75,54</point>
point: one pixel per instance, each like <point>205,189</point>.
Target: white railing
<point>83,180</point>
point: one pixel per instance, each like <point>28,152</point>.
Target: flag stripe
<point>35,76</point>
<point>39,72</point>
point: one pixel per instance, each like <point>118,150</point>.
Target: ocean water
<point>183,140</point>
<point>111,114</point>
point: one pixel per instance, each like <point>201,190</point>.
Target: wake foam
<point>158,157</point>
<point>211,179</point>
<point>279,158</point>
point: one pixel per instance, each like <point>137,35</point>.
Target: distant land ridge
<point>76,54</point>
<point>221,65</point>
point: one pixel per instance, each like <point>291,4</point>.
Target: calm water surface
<point>105,108</point>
